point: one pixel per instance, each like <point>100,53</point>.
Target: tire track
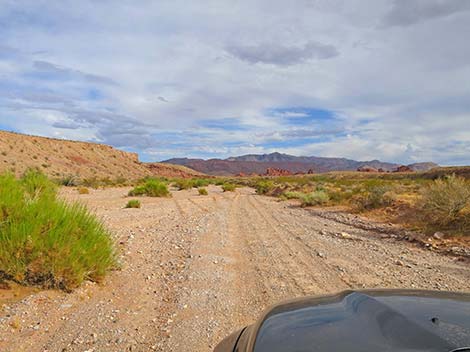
<point>307,258</point>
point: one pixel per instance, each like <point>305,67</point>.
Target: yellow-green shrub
<point>45,241</point>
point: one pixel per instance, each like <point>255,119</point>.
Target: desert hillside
<point>63,158</point>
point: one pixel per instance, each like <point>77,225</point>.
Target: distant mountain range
<point>259,163</point>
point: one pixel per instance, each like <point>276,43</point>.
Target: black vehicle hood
<point>379,320</point>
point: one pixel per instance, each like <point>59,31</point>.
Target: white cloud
<point>395,72</point>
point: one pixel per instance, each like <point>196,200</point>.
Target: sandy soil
<point>195,268</point>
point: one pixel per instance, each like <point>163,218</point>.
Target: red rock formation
<point>366,168</point>
<point>403,168</point>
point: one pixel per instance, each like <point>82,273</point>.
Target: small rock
<point>438,235</point>
<point>345,235</point>
<point>399,262</point>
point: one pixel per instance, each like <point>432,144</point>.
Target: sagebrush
<point>445,200</point>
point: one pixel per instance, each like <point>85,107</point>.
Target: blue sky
<point>363,79</point>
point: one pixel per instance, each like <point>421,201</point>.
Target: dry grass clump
<point>314,198</point>
<point>200,182</point>
<point>183,184</point>
<point>133,203</point>
<point>373,198</point>
<point>446,201</point>
<point>202,191</point>
<point>45,241</point>
<point>228,187</point>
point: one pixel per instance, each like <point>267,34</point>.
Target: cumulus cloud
<point>282,55</point>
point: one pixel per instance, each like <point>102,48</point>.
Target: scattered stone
<point>438,235</point>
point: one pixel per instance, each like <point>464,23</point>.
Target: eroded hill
<point>63,158</point>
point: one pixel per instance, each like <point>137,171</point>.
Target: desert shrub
<point>156,188</point>
<point>228,187</point>
<point>444,200</point>
<point>138,190</point>
<point>182,184</point>
<point>69,181</point>
<point>373,198</point>
<point>83,190</point>
<point>45,241</point>
<point>264,186</point>
<point>202,191</point>
<point>92,182</point>
<point>200,182</point>
<point>219,181</point>
<point>314,198</point>
<point>120,181</point>
<point>133,203</point>
<point>151,188</point>
<point>340,196</point>
<point>292,195</point>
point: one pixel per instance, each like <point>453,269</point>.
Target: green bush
<point>293,195</point>
<point>183,183</point>
<point>264,187</point>
<point>444,200</point>
<point>44,241</point>
<point>219,181</point>
<point>155,188</point>
<point>200,182</point>
<point>228,187</point>
<point>138,190</point>
<point>151,188</point>
<point>202,191</point>
<point>133,203</point>
<point>314,198</point>
<point>373,198</point>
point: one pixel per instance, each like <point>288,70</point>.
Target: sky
<point>362,79</point>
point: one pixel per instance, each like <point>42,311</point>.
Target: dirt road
<point>194,268</point>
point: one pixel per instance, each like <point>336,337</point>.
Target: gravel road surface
<point>195,268</point>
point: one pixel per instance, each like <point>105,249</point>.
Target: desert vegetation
<point>151,188</point>
<point>133,204</point>
<point>202,191</point>
<point>228,187</point>
<point>418,201</point>
<point>45,241</point>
